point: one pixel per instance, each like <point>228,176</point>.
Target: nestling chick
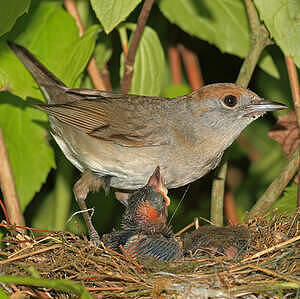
<point>144,222</point>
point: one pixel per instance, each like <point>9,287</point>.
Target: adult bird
<point>118,139</point>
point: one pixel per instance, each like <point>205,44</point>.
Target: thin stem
<point>175,65</point>
<point>294,82</point>
<point>276,187</point>
<point>129,60</point>
<point>124,39</point>
<point>95,75</point>
<point>192,67</point>
<point>259,40</point>
<point>230,209</point>
<point>106,77</point>
<point>8,187</point>
<point>92,68</point>
<point>217,203</point>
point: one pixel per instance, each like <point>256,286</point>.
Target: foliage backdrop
<point>218,31</point>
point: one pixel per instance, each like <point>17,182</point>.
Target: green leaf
<point>266,165</point>
<point>112,12</point>
<point>149,64</point>
<point>103,50</point>
<point>58,284</point>
<point>102,53</point>
<point>282,18</point>
<point>176,90</point>
<point>288,202</point>
<point>271,159</point>
<point>56,204</point>
<point>10,11</point>
<point>76,56</point>
<point>30,156</point>
<point>222,23</point>
<point>66,55</point>
<point>267,64</point>
<point>3,294</point>
<point>40,32</point>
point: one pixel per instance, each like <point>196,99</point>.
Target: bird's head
<point>225,109</point>
<point>146,209</point>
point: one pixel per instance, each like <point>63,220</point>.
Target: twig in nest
<point>277,246</point>
<point>273,273</point>
<point>9,260</point>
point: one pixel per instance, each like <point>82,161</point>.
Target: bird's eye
<point>230,100</point>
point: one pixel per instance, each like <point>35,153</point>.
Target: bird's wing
<point>124,122</point>
<point>161,248</point>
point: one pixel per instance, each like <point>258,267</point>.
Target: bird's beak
<point>262,107</point>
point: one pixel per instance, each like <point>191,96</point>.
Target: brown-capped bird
<point>118,139</point>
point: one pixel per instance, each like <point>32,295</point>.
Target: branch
<point>129,59</point>
<point>294,82</point>
<point>259,40</point>
<point>8,187</point>
<point>217,195</point>
<point>92,68</point>
<point>276,187</point>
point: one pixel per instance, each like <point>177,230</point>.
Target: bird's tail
<point>53,89</point>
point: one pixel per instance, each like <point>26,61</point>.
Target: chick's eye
<point>230,100</point>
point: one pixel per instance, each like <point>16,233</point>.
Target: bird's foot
<point>94,237</point>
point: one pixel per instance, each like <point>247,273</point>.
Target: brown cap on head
<point>220,90</point>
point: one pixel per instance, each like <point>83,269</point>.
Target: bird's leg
<point>87,183</point>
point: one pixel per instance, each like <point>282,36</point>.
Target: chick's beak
<point>164,191</point>
<point>262,107</point>
<point>157,181</point>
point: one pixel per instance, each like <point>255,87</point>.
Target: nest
<point>268,268</point>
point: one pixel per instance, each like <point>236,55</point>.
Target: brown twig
<point>268,250</point>
<point>175,64</point>
<point>259,40</point>
<point>23,256</point>
<point>92,68</point>
<point>185,228</point>
<point>106,77</point>
<point>26,227</point>
<point>192,67</point>
<point>8,187</point>
<point>295,88</point>
<point>4,211</point>
<point>273,273</point>
<point>129,59</point>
